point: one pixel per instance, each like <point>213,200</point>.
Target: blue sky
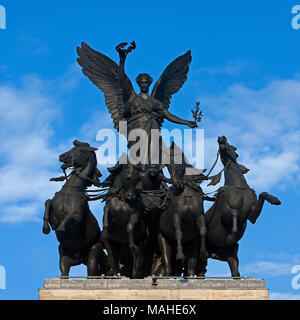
<point>245,71</point>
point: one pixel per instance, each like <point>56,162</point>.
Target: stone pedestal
<point>154,289</point>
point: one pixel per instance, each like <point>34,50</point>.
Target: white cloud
<point>264,125</point>
<point>231,67</point>
<point>98,120</point>
<point>70,79</point>
<point>27,157</point>
<point>19,213</point>
<point>36,45</point>
<point>267,268</point>
<point>274,265</point>
<point>283,296</point>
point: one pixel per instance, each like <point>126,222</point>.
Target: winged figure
<point>141,111</point>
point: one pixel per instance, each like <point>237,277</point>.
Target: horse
<point>153,198</point>
<point>68,213</point>
<point>182,225</point>
<point>124,232</point>
<point>235,203</point>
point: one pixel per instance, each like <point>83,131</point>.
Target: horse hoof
<point>134,250</point>
<point>204,255</point>
<point>180,256</point>
<point>214,256</point>
<point>271,199</point>
<point>111,272</point>
<point>46,229</point>
<point>275,201</point>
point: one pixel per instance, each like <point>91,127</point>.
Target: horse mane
<point>117,178</point>
<point>185,169</point>
<point>232,149</point>
<point>78,143</point>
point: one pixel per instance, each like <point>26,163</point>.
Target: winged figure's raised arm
<point>172,79</point>
<point>109,78</point>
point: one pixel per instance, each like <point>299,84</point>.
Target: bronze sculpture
<point>124,229</point>
<point>140,111</point>
<point>183,222</point>
<point>152,225</point>
<point>235,203</point>
<point>68,213</point>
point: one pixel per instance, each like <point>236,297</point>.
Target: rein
<point>219,174</point>
<point>213,166</point>
<point>226,166</point>
<point>86,178</point>
<point>93,197</point>
<point>81,176</point>
<point>154,192</point>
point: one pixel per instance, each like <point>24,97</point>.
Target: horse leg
<point>105,240</point>
<point>46,227</point>
<point>233,262</point>
<point>93,260</point>
<point>191,252</point>
<point>157,266</point>
<point>116,258</point>
<point>201,267</point>
<point>201,223</point>
<point>102,261</point>
<point>65,262</point>
<point>140,260</point>
<point>165,254</point>
<point>130,227</point>
<point>233,215</point>
<point>258,205</point>
<point>127,269</point>
<point>132,247</point>
<point>191,267</point>
<point>178,235</point>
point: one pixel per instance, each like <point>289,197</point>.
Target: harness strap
<point>86,178</point>
<point>213,166</point>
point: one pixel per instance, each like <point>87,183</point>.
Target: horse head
<point>128,180</point>
<point>181,170</point>
<point>177,166</point>
<point>233,171</point>
<point>82,156</point>
<point>227,151</point>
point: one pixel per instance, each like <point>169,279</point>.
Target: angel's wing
<point>172,79</point>
<point>106,75</point>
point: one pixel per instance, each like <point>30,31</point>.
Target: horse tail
<point>46,227</point>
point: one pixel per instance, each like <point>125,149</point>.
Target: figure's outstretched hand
<point>120,48</point>
<point>192,124</point>
<point>123,52</point>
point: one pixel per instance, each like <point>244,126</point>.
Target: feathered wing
<point>172,79</point>
<point>106,75</point>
